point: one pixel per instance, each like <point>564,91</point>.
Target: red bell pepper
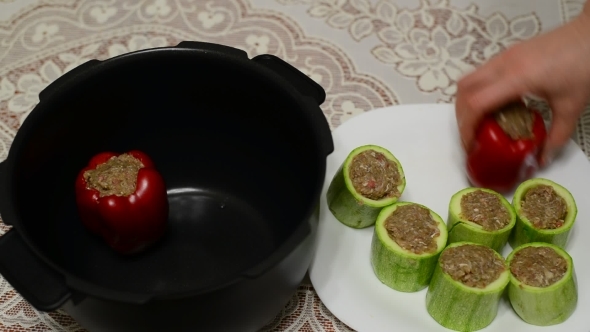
<point>500,161</point>
<point>129,223</point>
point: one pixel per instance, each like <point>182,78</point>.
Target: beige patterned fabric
<point>367,54</point>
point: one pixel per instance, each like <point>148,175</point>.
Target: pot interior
<point>238,156</point>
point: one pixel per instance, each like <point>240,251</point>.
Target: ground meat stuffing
<point>538,266</point>
<point>473,265</point>
<point>412,228</point>
<point>544,208</point>
<point>516,121</point>
<point>117,176</point>
<point>484,209</point>
<point>374,176</point>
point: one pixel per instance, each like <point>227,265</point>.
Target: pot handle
<point>3,185</point>
<point>307,87</point>
<point>36,282</point>
<point>303,83</point>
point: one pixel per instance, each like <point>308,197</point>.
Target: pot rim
<point>62,86</point>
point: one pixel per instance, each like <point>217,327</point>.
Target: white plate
<point>424,138</point>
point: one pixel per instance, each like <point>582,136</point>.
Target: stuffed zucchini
<point>467,286</point>
<point>481,216</point>
<point>407,241</point>
<point>369,179</point>
<point>542,289</point>
<point>545,212</point>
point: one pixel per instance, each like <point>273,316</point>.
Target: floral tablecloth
<point>367,54</point>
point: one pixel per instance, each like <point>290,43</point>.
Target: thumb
<point>565,118</point>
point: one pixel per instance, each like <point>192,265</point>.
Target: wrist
<point>581,26</point>
<point>585,14</point>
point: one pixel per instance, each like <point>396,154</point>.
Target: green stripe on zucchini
<point>461,229</point>
<point>459,307</point>
<point>544,306</point>
<point>396,267</point>
<point>525,232</point>
<point>350,207</point>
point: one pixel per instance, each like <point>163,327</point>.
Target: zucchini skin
<point>462,308</point>
<point>350,208</point>
<point>525,232</point>
<point>544,306</point>
<point>400,270</point>
<point>465,230</point>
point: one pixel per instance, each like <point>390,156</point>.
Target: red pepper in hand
<point>507,149</point>
<point>122,198</point>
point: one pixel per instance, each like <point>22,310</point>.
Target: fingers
<point>466,113</point>
<point>489,92</point>
<point>483,75</point>
<point>566,112</point>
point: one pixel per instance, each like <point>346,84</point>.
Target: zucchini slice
<point>543,197</point>
<point>403,258</point>
<point>467,286</point>
<point>543,288</point>
<point>481,216</point>
<point>369,179</point>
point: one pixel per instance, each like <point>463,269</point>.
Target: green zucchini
<point>540,304</point>
<point>524,231</point>
<point>352,208</point>
<point>462,229</point>
<point>400,268</point>
<point>462,307</point>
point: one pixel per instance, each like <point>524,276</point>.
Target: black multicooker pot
<point>242,146</point>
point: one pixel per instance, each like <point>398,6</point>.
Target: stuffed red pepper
<point>122,198</point>
<point>508,148</point>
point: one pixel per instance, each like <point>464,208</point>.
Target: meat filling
<point>538,266</point>
<point>412,228</point>
<point>516,121</point>
<point>117,176</point>
<point>374,176</point>
<point>473,265</point>
<point>544,208</point>
<point>484,209</point>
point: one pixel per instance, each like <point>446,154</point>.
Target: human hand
<point>554,66</point>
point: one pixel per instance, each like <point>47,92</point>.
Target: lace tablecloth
<point>367,54</point>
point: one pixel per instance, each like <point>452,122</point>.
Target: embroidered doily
<point>367,54</point>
